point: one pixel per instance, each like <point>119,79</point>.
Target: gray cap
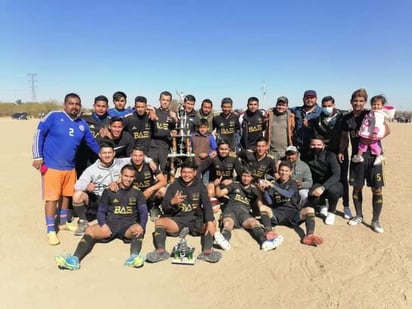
<point>291,149</point>
<point>282,99</point>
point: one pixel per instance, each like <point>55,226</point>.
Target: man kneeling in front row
<point>117,217</point>
<point>186,204</point>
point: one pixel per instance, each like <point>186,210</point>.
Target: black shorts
<point>159,155</point>
<point>285,216</point>
<point>237,213</point>
<point>195,224</point>
<point>359,172</point>
<point>118,230</point>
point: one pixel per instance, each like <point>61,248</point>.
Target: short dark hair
<point>140,99</point>
<point>118,95</point>
<point>165,93</point>
<point>222,142</point>
<point>129,167</point>
<point>189,163</point>
<point>101,98</point>
<point>139,147</point>
<point>261,139</point>
<point>285,163</point>
<point>328,98</point>
<point>106,144</point>
<point>246,170</point>
<point>190,98</point>
<point>207,101</point>
<point>71,95</point>
<point>252,99</point>
<point>379,97</point>
<point>203,122</point>
<point>116,119</point>
<point>226,100</point>
<point>319,137</point>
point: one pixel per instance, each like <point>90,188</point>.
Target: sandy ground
<point>355,268</point>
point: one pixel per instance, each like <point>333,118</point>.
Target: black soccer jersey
<point>242,196</point>
<point>279,200</point>
<point>258,168</point>
<point>196,202</point>
<point>145,177</point>
<point>221,167</point>
<point>161,128</point>
<point>226,127</point>
<point>95,122</point>
<point>252,127</point>
<point>122,207</point>
<point>139,127</point>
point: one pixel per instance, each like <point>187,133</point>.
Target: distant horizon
<point>216,109</point>
<point>213,49</point>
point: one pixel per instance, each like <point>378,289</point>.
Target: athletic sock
<point>80,210</point>
<point>136,244</point>
<point>159,237</point>
<point>258,233</point>
<point>227,234</point>
<point>50,224</point>
<point>357,201</point>
<point>206,241</point>
<point>377,203</point>
<point>264,218</point>
<point>310,224</point>
<point>63,216</point>
<point>85,246</point>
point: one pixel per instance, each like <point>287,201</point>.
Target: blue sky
<point>210,49</point>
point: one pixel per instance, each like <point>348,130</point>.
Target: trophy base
<point>180,154</point>
<point>181,258</point>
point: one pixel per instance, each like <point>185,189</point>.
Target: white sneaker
<point>357,159</point>
<point>330,218</point>
<point>378,160</point>
<point>377,227</point>
<point>222,242</point>
<point>272,243</point>
<point>323,211</point>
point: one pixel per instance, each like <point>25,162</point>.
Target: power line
<point>33,86</point>
<point>263,89</point>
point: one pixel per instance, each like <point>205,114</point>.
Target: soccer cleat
<point>357,159</point>
<point>312,240</point>
<point>210,256</point>
<point>347,214</point>
<point>355,220</point>
<point>52,238</point>
<point>377,227</point>
<point>221,241</point>
<point>273,243</point>
<point>135,260</point>
<point>378,160</point>
<point>68,226</point>
<point>157,256</point>
<point>81,227</point>
<point>330,218</point>
<point>69,262</point>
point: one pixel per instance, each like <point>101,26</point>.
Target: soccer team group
<point>253,170</point>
